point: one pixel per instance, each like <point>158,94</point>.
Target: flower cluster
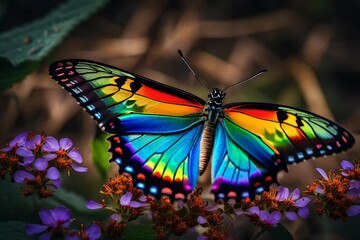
<point>266,210</point>
<point>338,193</point>
<point>177,219</point>
<point>56,223</point>
<point>37,160</point>
<point>127,204</point>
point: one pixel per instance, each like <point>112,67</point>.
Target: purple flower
<point>18,141</point>
<point>348,166</point>
<point>33,142</point>
<point>320,190</point>
<point>27,151</point>
<point>354,189</point>
<point>41,164</point>
<point>300,203</point>
<point>125,200</point>
<point>270,218</point>
<point>353,210</point>
<point>201,237</point>
<point>54,220</point>
<point>55,147</point>
<point>20,176</point>
<point>267,218</point>
<point>116,217</point>
<point>255,210</point>
<point>92,232</point>
<point>291,215</point>
<point>323,173</point>
<point>201,220</point>
<point>90,204</point>
<point>54,175</point>
<point>283,194</point>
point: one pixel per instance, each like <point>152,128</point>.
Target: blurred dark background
<point>310,49</point>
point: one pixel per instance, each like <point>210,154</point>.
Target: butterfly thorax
<point>214,106</point>
<point>212,112</point>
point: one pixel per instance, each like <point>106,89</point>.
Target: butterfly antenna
<point>245,80</point>
<point>183,58</point>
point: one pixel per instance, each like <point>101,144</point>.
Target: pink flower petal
<point>21,175</point>
<point>125,199</point>
<point>346,165</point>
<point>201,220</point>
<point>254,210</point>
<point>53,173</point>
<point>282,194</point>
<point>61,215</point>
<point>6,149</point>
<point>320,190</point>
<point>32,229</point>
<point>143,198</point>
<point>24,152</point>
<point>51,144</point>
<point>75,155</point>
<point>295,194</point>
<point>65,143</point>
<point>116,217</point>
<point>304,212</point>
<point>27,160</point>
<point>56,183</point>
<point>353,210</point>
<point>32,143</point>
<point>323,173</point>
<point>93,232</point>
<point>78,168</point>
<point>41,164</point>
<point>50,156</point>
<point>302,202</point>
<point>292,216</point>
<point>19,140</point>
<point>135,204</point>
<point>90,204</point>
<point>274,217</point>
<point>47,218</point>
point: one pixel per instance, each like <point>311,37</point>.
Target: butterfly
<point>165,137</point>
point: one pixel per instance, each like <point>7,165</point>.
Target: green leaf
<point>13,230</point>
<point>24,47</point>
<point>70,200</point>
<point>136,231</point>
<point>101,157</point>
<point>280,232</point>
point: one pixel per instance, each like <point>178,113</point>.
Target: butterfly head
<point>216,97</point>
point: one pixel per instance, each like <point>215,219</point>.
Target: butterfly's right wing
<point>254,141</point>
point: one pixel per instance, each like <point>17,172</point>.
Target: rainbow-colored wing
<point>143,115</point>
<point>254,141</point>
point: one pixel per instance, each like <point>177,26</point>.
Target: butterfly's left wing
<point>156,128</point>
<point>254,141</point>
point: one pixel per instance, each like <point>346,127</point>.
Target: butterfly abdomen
<point>207,145</point>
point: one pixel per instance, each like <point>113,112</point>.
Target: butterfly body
<point>165,137</point>
<point>212,112</point>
